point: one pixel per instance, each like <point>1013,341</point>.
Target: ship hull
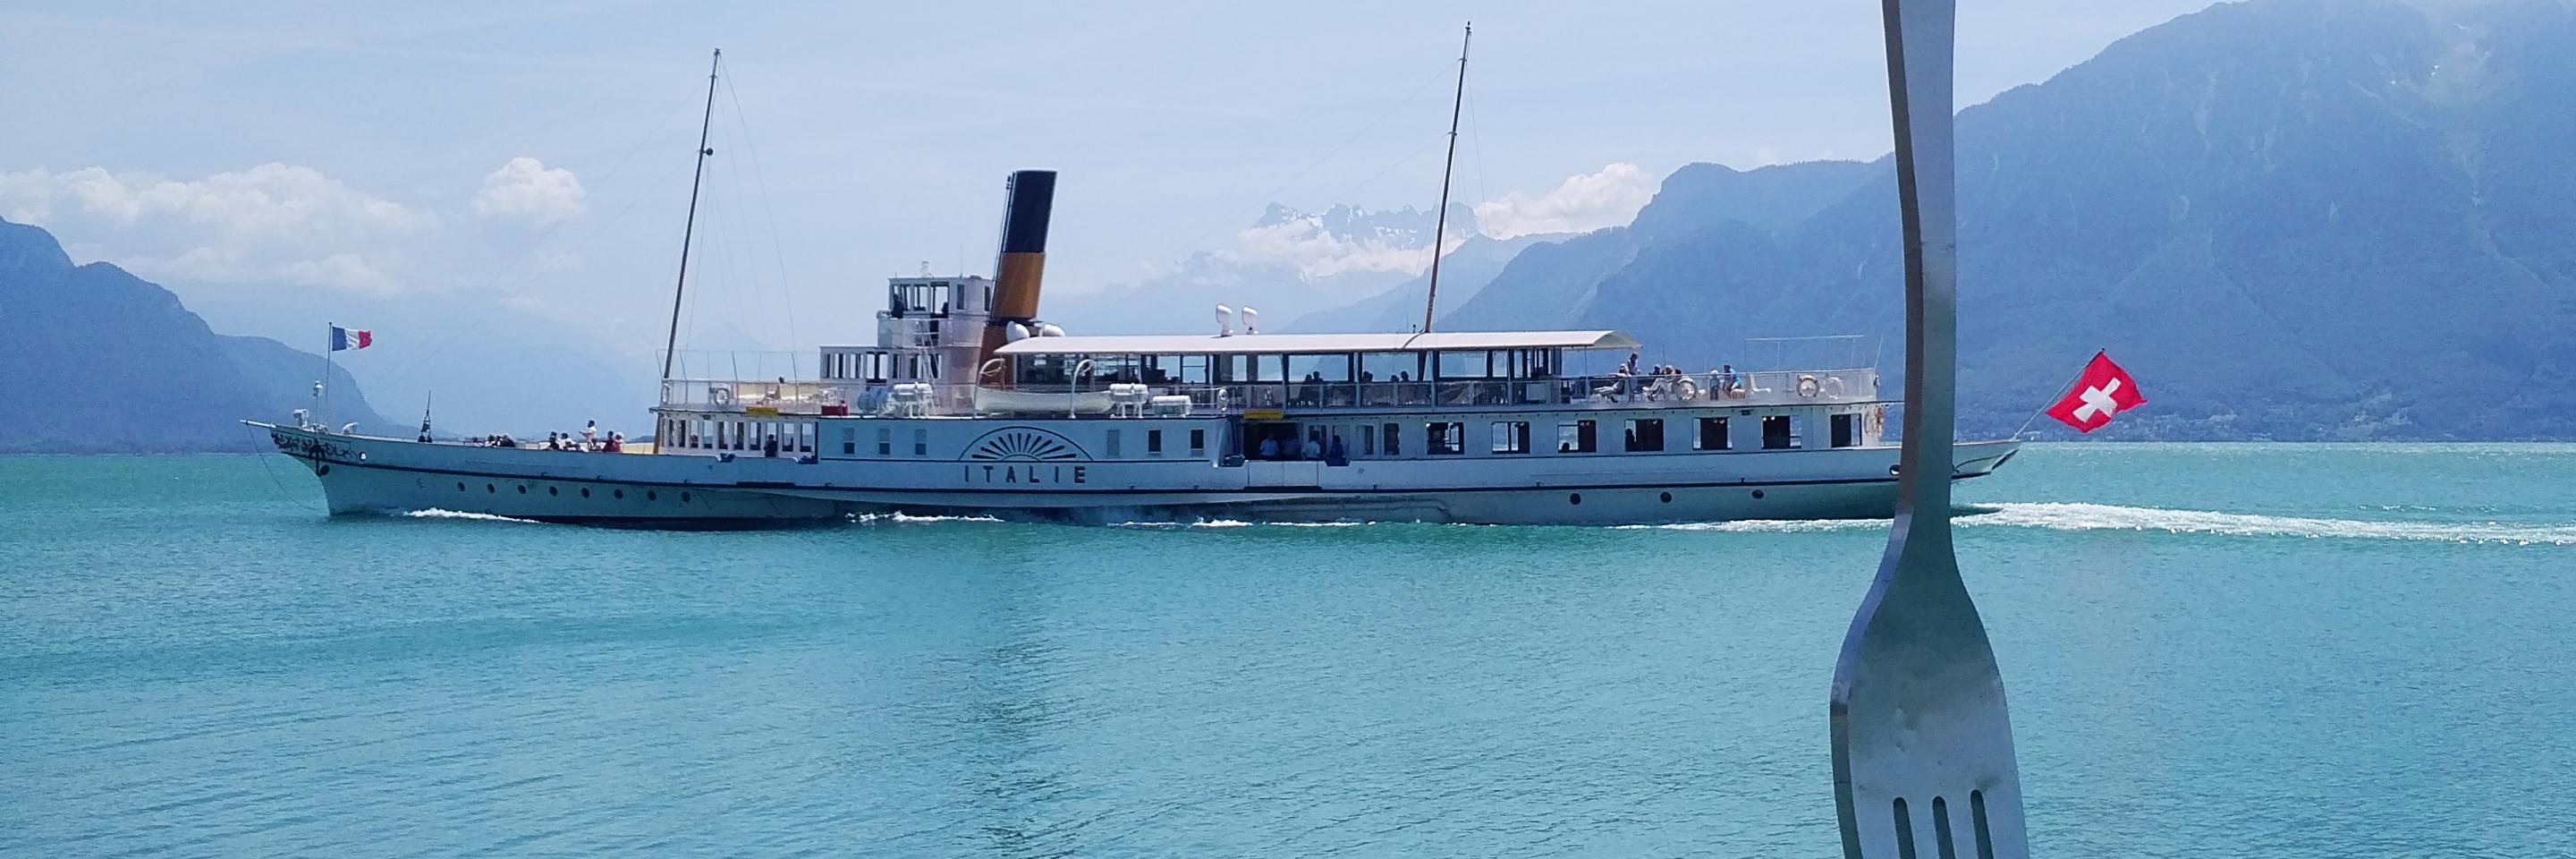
<point>376,476</point>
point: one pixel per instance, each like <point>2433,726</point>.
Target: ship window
<point>738,433</point>
<point>1394,443</point>
<point>1198,441</point>
<point>1466,365</point>
<point>1645,434</point>
<point>1712,434</point>
<point>1845,430</point>
<point>1776,433</point>
<point>849,441</point>
<point>1446,438</point>
<point>1154,442</point>
<point>885,441</point>
<point>921,442</point>
<point>1386,366</point>
<point>1511,437</point>
<point>1576,437</point>
<point>1113,444</point>
<point>1368,440</point>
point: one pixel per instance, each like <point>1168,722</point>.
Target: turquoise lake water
<point>2222,650</point>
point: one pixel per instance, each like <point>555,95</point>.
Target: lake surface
<point>2223,650</point>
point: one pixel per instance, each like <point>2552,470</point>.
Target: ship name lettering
<point>1011,473</point>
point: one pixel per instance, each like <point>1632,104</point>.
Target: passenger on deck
<point>1269,447</point>
<point>1337,454</point>
<point>589,435</point>
<point>1313,449</point>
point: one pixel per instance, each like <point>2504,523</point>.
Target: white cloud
<point>1582,203</point>
<point>1319,253</point>
<point>526,189</point>
<point>270,222</point>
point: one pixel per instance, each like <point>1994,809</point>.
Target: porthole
<point>554,490</point>
<point>1668,498</point>
<point>523,489</point>
<point>322,469</point>
<point>489,488</point>
<point>1757,494</point>
<point>460,486</point>
<point>585,492</point>
<point>684,496</point>
<point>1895,469</point>
<point>621,494</point>
<point>650,495</point>
<point>1574,498</point>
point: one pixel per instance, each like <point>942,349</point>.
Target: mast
<point>671,344</point>
<point>1440,230</point>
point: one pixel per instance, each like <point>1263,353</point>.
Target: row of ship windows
<point>1449,438</point>
<point>619,494</point>
<point>1114,448</point>
<point>750,435</point>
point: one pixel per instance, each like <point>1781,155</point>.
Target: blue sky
<point>540,148</point>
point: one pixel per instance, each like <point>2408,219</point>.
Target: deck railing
<point>1768,388</point>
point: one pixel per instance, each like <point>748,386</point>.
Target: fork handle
<point>1921,35</point>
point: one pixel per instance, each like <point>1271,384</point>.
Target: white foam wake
<point>2057,516</point>
<point>435,513</point>
<point>2108,517</point>
<point>909,519</point>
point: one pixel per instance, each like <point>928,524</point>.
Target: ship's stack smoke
<point>1023,264</point>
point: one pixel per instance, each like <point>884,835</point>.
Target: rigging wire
<point>778,251</point>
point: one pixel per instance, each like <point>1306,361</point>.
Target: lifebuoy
<point>720,395</point>
<point>1685,389</point>
<point>1807,386</point>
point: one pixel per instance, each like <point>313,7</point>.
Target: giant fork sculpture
<point>1923,753</point>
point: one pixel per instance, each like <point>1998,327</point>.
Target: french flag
<point>343,338</point>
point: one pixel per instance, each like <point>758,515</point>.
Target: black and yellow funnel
<point>1023,264</point>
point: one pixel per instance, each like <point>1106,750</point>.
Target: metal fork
<point>1923,752</point>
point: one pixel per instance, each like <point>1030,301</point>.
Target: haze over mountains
<point>2299,219</point>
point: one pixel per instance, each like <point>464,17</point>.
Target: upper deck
<point>1272,372</point>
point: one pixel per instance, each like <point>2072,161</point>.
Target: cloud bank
<point>273,223</point>
<point>1580,204</point>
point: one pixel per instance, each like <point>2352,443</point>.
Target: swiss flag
<point>2104,390</point>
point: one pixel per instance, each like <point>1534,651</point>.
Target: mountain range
<point>2291,219</point>
<point>98,360</point>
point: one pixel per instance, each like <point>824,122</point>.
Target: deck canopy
<point>1276,344</point>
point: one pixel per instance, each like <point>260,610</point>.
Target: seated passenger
<point>1270,447</point>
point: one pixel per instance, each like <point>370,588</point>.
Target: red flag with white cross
<point>2104,390</point>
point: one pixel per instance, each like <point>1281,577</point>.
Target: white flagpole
<point>322,389</point>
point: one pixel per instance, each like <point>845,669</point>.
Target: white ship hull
<point>363,475</point>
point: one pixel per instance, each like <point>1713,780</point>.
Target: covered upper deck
<point>1315,344</point>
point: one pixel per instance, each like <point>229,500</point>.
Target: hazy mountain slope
<point>1557,287</point>
<point>93,359</point>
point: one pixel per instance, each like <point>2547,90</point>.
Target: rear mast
<point>1440,224</point>
<point>671,344</point>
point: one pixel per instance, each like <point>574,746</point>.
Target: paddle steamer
<point>968,404</point>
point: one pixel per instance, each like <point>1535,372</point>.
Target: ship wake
<point>2058,516</point>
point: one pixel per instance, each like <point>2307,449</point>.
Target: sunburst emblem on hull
<point>1024,444</point>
